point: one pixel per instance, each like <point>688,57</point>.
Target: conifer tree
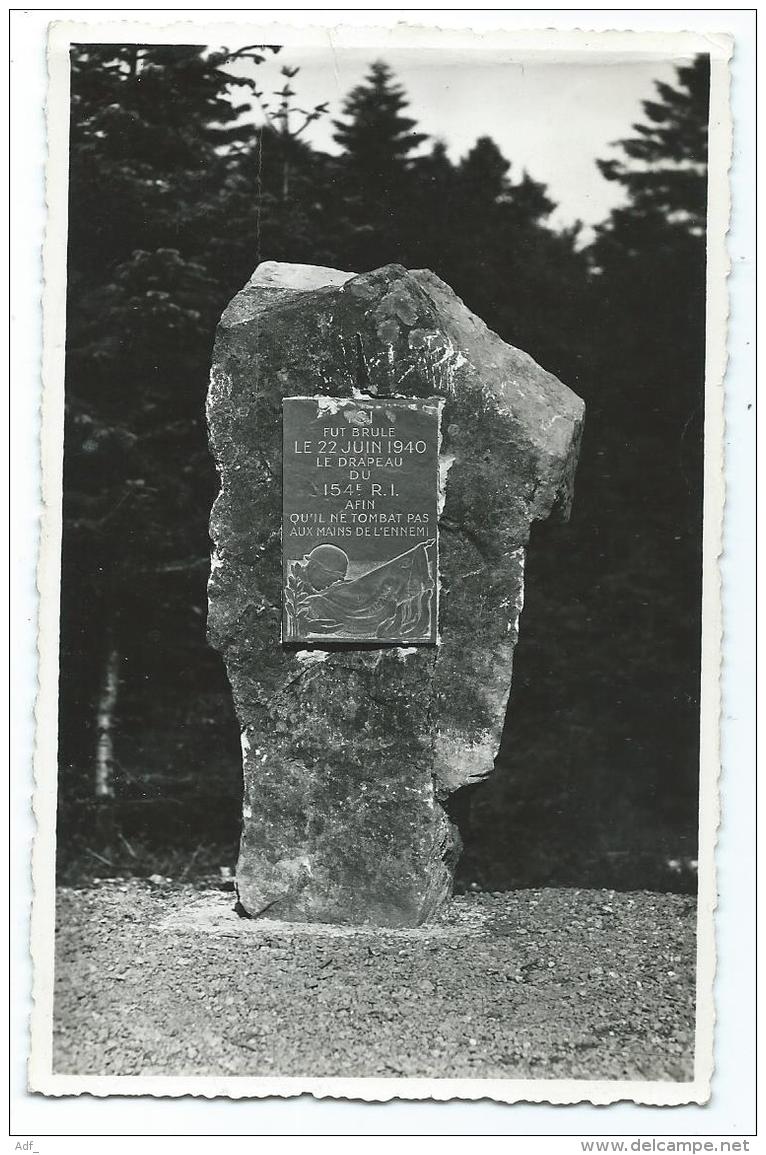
<point>154,134</point>
<point>664,172</point>
<point>650,254</point>
<point>376,138</point>
<point>645,412</point>
<point>432,208</point>
<point>483,174</point>
<point>375,176</point>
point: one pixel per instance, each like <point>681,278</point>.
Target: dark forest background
<point>175,196</point>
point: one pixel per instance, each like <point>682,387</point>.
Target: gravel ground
<point>167,980</point>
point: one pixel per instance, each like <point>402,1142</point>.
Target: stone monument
<point>382,457</point>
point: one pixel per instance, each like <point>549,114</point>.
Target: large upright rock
<point>350,750</point>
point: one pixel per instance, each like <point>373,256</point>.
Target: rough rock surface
<point>348,752</point>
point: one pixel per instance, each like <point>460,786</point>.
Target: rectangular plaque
<point>360,482</point>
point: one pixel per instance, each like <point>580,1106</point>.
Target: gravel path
<point>167,980</point>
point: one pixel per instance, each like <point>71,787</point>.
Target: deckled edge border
<point>41,1078</point>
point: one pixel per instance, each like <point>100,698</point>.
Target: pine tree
<point>530,201</point>
<point>670,178</point>
<point>646,412</point>
<point>376,138</point>
<point>521,276</point>
<point>375,176</point>
<point>155,137</point>
<point>431,210</point>
<point>650,255</point>
<point>483,174</point>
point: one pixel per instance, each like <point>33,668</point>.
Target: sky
<point>552,117</point>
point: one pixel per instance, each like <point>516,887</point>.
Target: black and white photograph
<point>382,423</point>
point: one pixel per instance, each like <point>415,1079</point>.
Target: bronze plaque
<point>360,483</point>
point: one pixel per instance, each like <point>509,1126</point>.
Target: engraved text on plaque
<point>359,527</point>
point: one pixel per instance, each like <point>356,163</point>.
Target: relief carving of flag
<point>394,600</point>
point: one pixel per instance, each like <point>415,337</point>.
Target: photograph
<point>384,421</point>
